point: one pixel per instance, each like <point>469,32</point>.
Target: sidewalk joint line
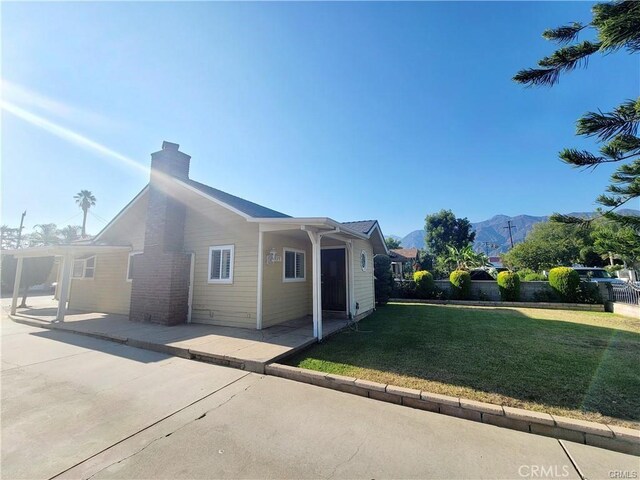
<point>573,462</point>
<point>150,425</point>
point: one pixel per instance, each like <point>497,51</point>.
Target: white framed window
<point>221,264</point>
<point>364,260</point>
<point>84,267</point>
<point>130,265</point>
<point>293,267</point>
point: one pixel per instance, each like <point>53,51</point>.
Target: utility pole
<point>510,227</point>
<point>24,214</point>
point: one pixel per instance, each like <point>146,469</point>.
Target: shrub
<point>425,286</point>
<point>509,285</point>
<point>589,292</point>
<point>404,289</point>
<point>565,282</point>
<point>523,272</point>
<point>460,284</point>
<point>534,277</point>
<point>383,278</point>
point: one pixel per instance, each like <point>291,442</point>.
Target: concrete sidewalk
<point>79,407</point>
<point>243,348</point>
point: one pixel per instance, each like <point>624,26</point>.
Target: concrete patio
<point>236,347</point>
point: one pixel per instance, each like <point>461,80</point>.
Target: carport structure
<point>66,255</point>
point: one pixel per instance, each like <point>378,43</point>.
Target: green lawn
<point>578,364</point>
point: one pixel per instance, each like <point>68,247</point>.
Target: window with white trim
<point>294,265</point>
<point>130,265</point>
<point>221,264</point>
<point>84,267</point>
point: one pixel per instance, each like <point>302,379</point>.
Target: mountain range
<point>492,235</point>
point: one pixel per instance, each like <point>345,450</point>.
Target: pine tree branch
<point>564,34</point>
<point>564,59</point>
<point>618,25</point>
<point>624,120</point>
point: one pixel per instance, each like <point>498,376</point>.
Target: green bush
<point>565,282</point>
<point>383,278</point>
<point>534,277</point>
<point>425,286</point>
<point>509,285</point>
<point>589,292</point>
<point>404,289</point>
<point>523,272</point>
<point>460,284</point>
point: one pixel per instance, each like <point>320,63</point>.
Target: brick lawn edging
<point>611,437</point>
<point>478,303</point>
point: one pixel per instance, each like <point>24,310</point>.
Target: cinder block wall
<point>489,289</point>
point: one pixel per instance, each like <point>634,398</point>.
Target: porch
<point>244,348</point>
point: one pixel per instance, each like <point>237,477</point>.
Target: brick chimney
<point>160,286</point>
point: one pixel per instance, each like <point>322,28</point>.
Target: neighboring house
<point>401,257</point>
<point>182,251</point>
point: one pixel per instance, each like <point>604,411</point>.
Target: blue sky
<point>347,110</point>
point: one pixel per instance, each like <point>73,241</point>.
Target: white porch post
<point>16,286</point>
<point>66,265</point>
<point>56,295</point>
<point>259,284</point>
<point>316,284</point>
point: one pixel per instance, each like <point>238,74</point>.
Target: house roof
<point>406,253</point>
<point>245,206</point>
<point>362,226</point>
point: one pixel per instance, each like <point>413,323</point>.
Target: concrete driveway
<point>78,407</point>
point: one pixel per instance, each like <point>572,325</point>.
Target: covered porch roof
<point>67,253</point>
<point>329,227</point>
<point>65,250</point>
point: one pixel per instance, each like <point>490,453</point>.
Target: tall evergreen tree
<point>617,27</point>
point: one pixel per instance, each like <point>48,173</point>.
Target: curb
<point>610,437</point>
<point>582,307</point>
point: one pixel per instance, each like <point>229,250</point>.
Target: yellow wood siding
<point>282,301</point>
<point>363,281</point>
<point>108,291</point>
<point>208,224</point>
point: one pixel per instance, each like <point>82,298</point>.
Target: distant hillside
<point>494,232</point>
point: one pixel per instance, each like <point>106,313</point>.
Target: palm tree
<point>85,201</point>
<point>45,234</point>
<point>70,233</point>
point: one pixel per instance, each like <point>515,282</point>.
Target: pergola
<point>66,253</point>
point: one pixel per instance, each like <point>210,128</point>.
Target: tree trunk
<point>84,222</point>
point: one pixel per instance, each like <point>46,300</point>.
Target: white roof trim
<point>311,221</point>
<point>58,250</point>
<point>127,207</point>
<point>214,200</point>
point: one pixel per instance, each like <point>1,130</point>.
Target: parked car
<point>594,274</point>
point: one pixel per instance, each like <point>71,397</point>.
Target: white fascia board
<point>59,250</point>
<point>310,221</point>
<point>122,212</point>
<point>379,230</point>
<point>214,200</point>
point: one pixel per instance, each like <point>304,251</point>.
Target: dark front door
<point>334,280</point>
